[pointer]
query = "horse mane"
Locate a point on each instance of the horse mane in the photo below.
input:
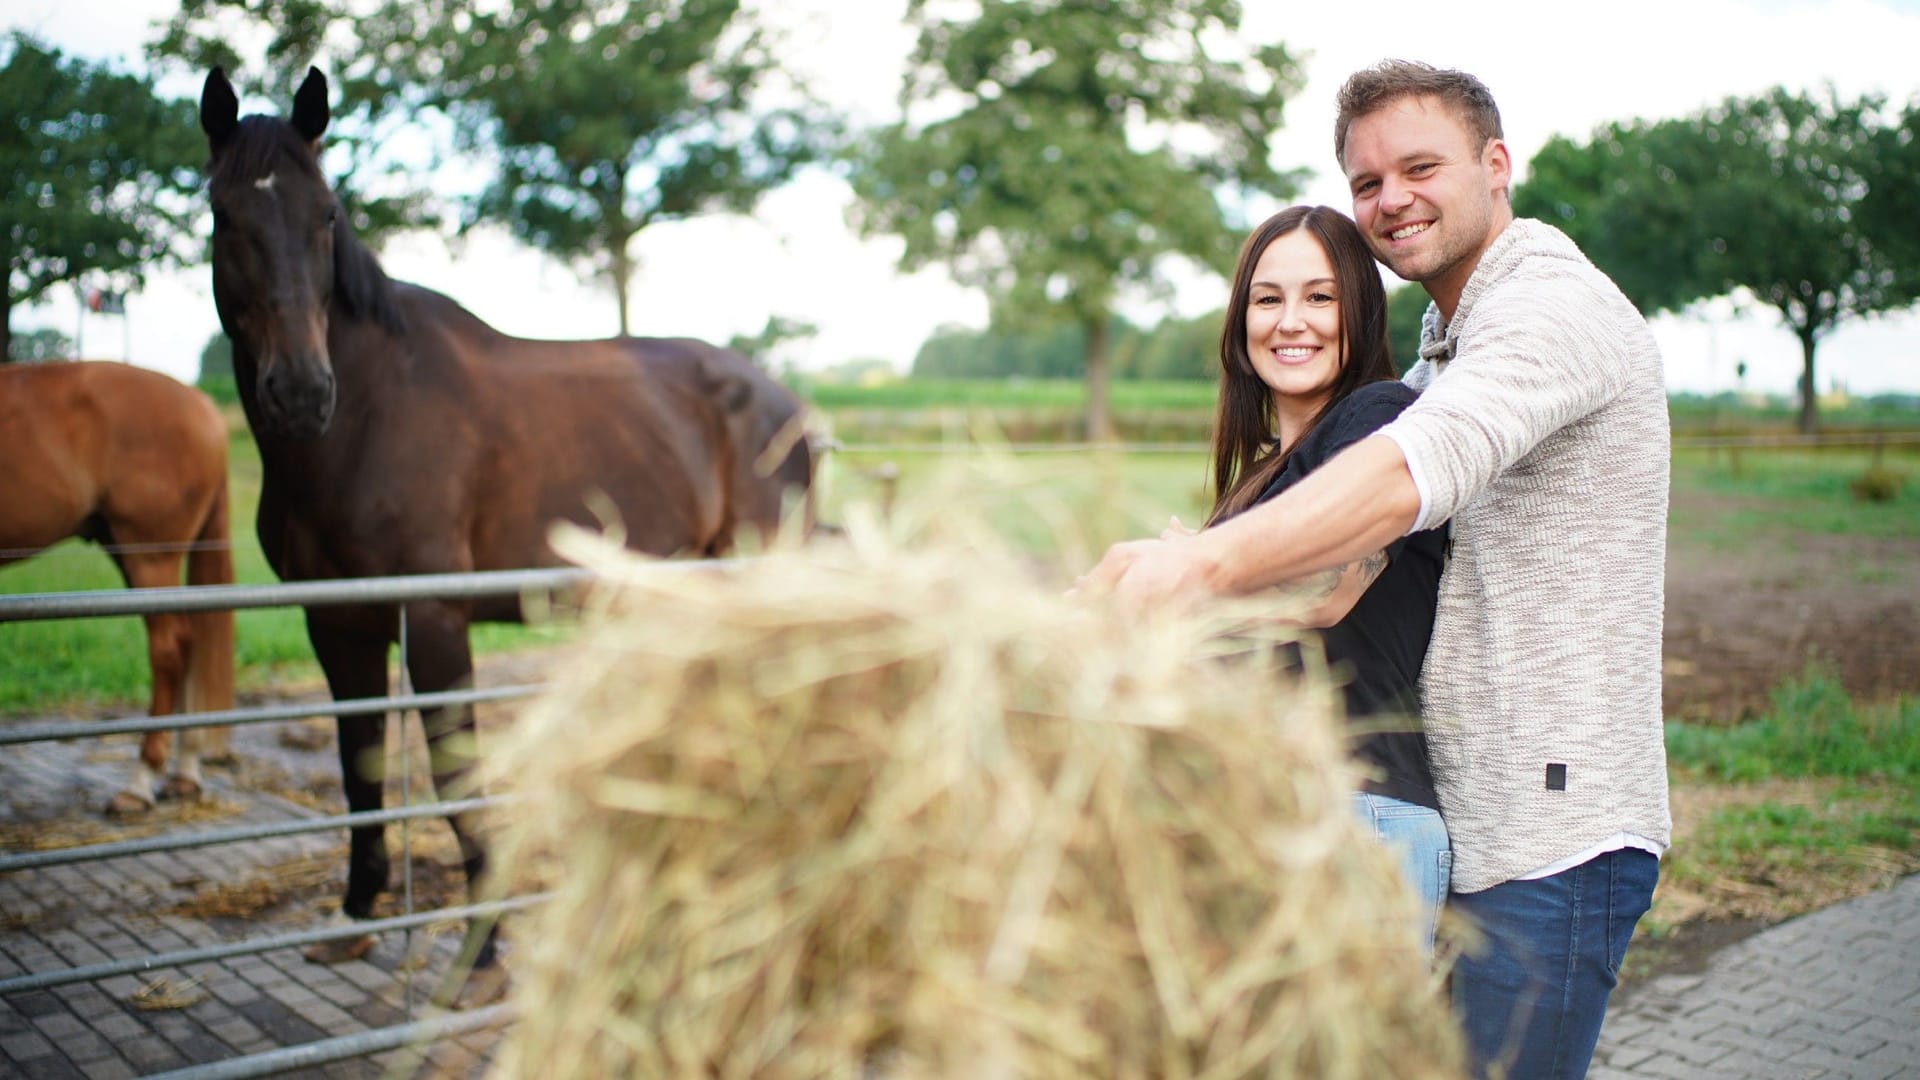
(256, 147)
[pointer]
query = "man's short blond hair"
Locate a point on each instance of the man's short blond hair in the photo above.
(1386, 82)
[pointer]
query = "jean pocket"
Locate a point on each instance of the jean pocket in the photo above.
(1629, 895)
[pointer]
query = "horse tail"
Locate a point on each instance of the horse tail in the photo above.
(210, 641)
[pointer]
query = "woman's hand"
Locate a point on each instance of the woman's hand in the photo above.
(1175, 530)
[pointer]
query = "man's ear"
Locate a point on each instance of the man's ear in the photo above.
(1499, 163)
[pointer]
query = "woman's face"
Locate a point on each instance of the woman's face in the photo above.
(1293, 321)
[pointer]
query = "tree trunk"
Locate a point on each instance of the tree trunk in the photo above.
(621, 270)
(1809, 417)
(6, 327)
(1100, 427)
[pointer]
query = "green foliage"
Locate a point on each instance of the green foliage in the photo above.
(1171, 349)
(98, 172)
(596, 119)
(44, 343)
(1814, 729)
(998, 395)
(372, 111)
(1878, 484)
(1406, 308)
(778, 331)
(1053, 155)
(1803, 201)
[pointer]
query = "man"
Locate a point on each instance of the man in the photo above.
(1541, 432)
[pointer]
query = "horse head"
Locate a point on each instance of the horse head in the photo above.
(276, 225)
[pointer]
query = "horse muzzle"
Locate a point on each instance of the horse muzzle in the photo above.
(298, 398)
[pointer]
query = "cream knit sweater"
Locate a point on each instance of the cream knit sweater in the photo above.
(1542, 433)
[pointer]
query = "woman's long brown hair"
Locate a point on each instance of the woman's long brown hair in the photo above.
(1245, 430)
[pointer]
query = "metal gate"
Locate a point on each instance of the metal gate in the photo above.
(417, 1029)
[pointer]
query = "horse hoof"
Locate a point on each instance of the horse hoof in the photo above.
(482, 986)
(339, 950)
(126, 804)
(181, 788)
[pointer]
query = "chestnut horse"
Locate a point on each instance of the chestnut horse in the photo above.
(400, 434)
(136, 461)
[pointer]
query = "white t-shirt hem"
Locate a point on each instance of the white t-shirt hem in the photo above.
(1617, 842)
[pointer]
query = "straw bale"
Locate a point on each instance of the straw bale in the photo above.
(879, 809)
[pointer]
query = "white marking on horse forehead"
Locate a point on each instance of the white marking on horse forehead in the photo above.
(265, 183)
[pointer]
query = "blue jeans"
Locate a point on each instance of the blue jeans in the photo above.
(1531, 996)
(1417, 834)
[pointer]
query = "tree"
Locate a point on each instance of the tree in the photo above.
(1782, 195)
(597, 119)
(1079, 143)
(779, 330)
(265, 48)
(1406, 307)
(99, 175)
(44, 343)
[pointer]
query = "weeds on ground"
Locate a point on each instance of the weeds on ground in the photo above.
(1813, 802)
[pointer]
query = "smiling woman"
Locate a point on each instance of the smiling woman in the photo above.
(1305, 372)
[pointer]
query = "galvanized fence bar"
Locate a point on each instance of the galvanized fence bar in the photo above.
(344, 1047)
(186, 598)
(251, 946)
(397, 590)
(139, 725)
(149, 845)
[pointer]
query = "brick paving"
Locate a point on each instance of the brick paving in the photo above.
(1834, 995)
(60, 917)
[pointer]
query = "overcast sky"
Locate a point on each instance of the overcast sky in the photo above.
(1563, 73)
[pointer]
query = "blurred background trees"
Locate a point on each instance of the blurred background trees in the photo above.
(1054, 156)
(1069, 160)
(99, 171)
(1802, 202)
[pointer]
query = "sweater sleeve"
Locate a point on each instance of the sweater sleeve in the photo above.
(1531, 360)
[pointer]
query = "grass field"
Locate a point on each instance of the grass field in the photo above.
(1064, 507)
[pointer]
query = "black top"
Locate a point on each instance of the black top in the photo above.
(1379, 647)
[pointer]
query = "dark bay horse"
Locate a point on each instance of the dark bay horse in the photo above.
(399, 434)
(135, 461)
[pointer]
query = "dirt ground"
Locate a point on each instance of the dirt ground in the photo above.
(1741, 618)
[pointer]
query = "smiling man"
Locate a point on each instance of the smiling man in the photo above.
(1541, 434)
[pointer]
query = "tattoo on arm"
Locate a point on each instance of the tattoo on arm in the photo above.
(1363, 571)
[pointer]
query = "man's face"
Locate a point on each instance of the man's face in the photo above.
(1424, 193)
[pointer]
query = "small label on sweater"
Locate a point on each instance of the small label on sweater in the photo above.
(1556, 777)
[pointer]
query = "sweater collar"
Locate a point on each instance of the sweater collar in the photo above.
(1522, 239)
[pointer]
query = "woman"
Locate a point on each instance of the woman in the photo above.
(1304, 373)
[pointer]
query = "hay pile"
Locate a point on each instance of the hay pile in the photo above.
(863, 811)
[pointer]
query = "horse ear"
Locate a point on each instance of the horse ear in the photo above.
(219, 109)
(310, 106)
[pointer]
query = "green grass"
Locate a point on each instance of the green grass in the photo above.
(1797, 491)
(1007, 394)
(1819, 799)
(1065, 506)
(1813, 729)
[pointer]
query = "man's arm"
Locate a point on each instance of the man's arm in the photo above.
(1349, 508)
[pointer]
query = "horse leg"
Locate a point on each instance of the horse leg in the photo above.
(167, 667)
(355, 665)
(440, 658)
